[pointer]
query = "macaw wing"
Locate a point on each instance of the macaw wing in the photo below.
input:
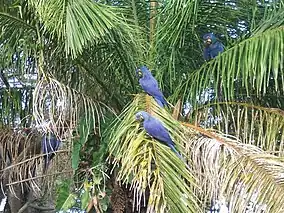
(50, 144)
(206, 54)
(220, 46)
(151, 87)
(156, 129)
(216, 49)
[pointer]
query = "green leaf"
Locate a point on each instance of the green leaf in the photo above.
(76, 154)
(69, 202)
(79, 23)
(85, 198)
(250, 62)
(84, 129)
(63, 194)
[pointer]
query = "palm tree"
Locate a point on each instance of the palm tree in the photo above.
(71, 64)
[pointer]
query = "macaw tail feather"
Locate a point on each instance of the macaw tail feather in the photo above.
(46, 164)
(161, 101)
(47, 160)
(179, 155)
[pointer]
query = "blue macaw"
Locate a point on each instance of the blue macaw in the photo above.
(150, 85)
(50, 144)
(155, 128)
(212, 46)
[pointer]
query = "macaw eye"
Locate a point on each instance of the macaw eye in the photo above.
(139, 117)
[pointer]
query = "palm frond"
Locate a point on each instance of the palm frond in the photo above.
(272, 18)
(17, 24)
(260, 126)
(11, 23)
(176, 16)
(181, 56)
(15, 107)
(239, 173)
(221, 164)
(80, 23)
(114, 65)
(17, 48)
(254, 64)
(149, 165)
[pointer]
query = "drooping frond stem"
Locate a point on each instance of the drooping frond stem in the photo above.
(237, 176)
(62, 107)
(19, 21)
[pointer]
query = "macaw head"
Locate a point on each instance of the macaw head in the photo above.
(142, 71)
(142, 116)
(209, 38)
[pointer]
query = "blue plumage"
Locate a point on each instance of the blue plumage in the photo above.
(50, 144)
(212, 46)
(155, 128)
(150, 85)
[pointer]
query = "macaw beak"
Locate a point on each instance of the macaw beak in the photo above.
(208, 41)
(139, 74)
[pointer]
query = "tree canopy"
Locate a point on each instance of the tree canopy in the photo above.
(68, 68)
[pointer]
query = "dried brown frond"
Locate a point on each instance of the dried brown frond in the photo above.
(22, 162)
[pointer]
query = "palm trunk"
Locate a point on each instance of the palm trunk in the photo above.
(153, 12)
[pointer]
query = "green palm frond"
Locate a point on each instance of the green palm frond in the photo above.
(80, 23)
(175, 60)
(147, 164)
(220, 165)
(254, 64)
(17, 23)
(11, 23)
(62, 107)
(15, 107)
(18, 36)
(175, 18)
(114, 65)
(272, 18)
(260, 126)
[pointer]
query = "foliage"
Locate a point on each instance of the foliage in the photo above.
(84, 130)
(68, 66)
(65, 199)
(141, 167)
